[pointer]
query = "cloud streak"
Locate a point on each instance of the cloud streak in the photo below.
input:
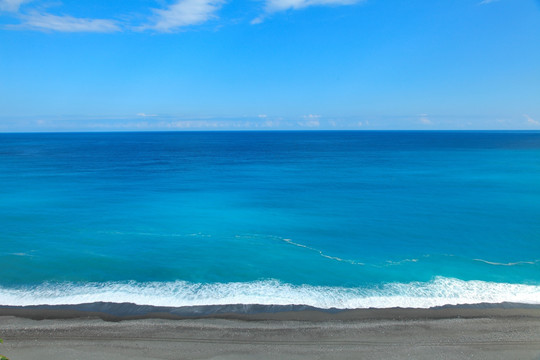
(425, 120)
(273, 6)
(531, 121)
(65, 23)
(11, 5)
(179, 14)
(184, 13)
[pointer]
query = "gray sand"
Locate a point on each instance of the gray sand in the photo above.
(497, 334)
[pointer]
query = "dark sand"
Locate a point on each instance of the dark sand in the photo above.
(447, 333)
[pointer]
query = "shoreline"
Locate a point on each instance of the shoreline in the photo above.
(109, 311)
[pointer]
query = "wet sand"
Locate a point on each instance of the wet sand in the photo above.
(452, 333)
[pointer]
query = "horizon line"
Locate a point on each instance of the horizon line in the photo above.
(268, 131)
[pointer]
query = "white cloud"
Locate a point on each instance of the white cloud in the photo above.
(262, 116)
(184, 13)
(484, 2)
(11, 5)
(309, 123)
(531, 121)
(424, 119)
(268, 124)
(146, 115)
(207, 124)
(272, 6)
(179, 14)
(66, 23)
(257, 20)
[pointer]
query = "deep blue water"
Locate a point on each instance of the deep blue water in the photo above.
(339, 219)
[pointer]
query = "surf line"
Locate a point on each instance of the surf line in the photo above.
(289, 241)
(508, 264)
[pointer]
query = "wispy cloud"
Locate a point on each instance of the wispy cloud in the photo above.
(273, 6)
(179, 14)
(531, 121)
(65, 23)
(11, 5)
(485, 2)
(174, 17)
(309, 124)
(310, 121)
(146, 115)
(425, 120)
(184, 13)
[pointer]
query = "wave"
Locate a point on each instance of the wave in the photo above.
(289, 241)
(508, 264)
(438, 292)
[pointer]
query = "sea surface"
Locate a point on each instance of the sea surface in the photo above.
(325, 219)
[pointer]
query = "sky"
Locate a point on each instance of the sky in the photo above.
(154, 65)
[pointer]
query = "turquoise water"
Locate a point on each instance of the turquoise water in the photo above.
(329, 219)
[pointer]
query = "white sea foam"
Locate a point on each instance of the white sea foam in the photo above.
(440, 291)
(390, 262)
(508, 264)
(289, 241)
(20, 254)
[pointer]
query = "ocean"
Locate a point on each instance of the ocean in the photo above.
(330, 219)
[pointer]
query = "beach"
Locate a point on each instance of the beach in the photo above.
(446, 333)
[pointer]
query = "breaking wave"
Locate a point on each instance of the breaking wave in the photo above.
(438, 292)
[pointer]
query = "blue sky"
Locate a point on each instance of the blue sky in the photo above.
(81, 65)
